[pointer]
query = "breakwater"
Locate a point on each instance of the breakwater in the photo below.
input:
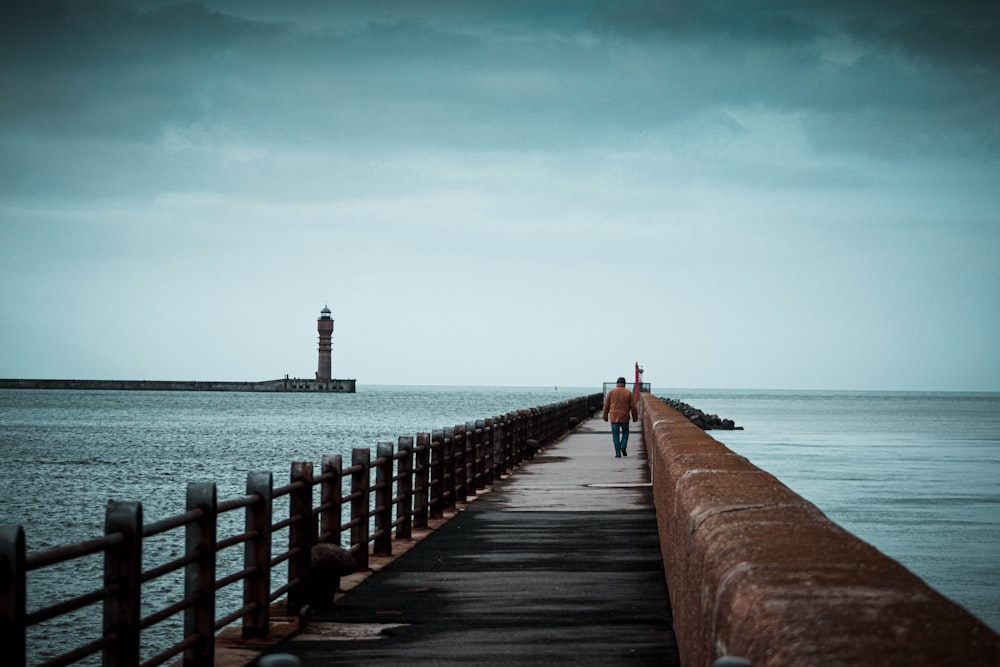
(755, 570)
(348, 386)
(705, 422)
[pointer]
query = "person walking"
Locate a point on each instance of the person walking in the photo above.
(619, 404)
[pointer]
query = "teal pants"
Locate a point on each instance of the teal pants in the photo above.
(619, 436)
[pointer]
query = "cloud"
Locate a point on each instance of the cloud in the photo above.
(104, 70)
(406, 161)
(962, 34)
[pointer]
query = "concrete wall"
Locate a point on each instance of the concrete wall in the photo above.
(755, 570)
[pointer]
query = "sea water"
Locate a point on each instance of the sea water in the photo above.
(915, 474)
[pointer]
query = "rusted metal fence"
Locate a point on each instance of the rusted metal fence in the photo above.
(416, 480)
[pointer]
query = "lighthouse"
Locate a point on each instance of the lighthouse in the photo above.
(325, 327)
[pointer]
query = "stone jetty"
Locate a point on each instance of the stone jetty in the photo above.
(703, 421)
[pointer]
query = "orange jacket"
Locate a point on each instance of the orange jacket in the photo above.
(619, 404)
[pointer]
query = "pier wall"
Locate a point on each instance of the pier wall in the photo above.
(755, 570)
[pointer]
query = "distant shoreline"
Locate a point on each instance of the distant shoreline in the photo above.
(340, 386)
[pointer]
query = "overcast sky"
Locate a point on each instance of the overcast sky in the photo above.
(772, 194)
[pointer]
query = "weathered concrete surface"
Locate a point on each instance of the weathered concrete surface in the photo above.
(754, 570)
(559, 563)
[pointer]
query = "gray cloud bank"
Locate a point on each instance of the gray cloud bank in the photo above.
(132, 91)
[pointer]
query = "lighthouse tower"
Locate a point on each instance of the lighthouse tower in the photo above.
(325, 327)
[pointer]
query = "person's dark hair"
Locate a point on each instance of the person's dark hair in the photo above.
(621, 381)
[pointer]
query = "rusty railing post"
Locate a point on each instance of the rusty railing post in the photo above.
(383, 500)
(461, 458)
(451, 469)
(13, 599)
(475, 452)
(437, 476)
(421, 477)
(257, 556)
(490, 450)
(506, 440)
(499, 447)
(520, 442)
(479, 455)
(509, 424)
(332, 499)
(404, 489)
(123, 578)
(302, 534)
(360, 483)
(199, 575)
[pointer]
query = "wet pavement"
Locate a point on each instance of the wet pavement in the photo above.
(557, 563)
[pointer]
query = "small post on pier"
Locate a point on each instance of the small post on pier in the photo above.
(257, 556)
(490, 450)
(521, 436)
(199, 575)
(13, 643)
(123, 574)
(421, 479)
(302, 534)
(383, 500)
(460, 455)
(478, 455)
(331, 499)
(507, 442)
(404, 489)
(474, 445)
(437, 483)
(451, 467)
(360, 481)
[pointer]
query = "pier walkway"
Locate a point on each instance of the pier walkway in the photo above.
(558, 563)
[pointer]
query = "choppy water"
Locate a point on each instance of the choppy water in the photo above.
(917, 475)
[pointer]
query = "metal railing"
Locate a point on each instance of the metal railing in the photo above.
(417, 480)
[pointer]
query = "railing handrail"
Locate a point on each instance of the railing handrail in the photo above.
(421, 479)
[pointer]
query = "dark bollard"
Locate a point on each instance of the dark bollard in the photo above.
(329, 562)
(531, 447)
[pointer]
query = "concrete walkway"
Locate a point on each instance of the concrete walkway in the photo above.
(558, 563)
